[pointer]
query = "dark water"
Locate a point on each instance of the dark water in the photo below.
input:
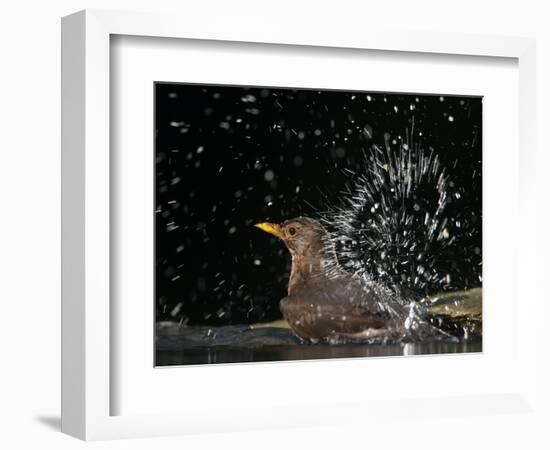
(230, 344)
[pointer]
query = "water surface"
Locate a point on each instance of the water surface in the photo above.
(231, 344)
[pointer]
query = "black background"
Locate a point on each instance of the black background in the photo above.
(230, 157)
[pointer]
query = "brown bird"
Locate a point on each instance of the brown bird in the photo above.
(324, 303)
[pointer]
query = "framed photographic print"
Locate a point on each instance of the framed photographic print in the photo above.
(250, 214)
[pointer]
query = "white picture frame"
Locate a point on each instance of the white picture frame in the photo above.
(87, 324)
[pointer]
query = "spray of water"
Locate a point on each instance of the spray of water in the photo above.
(391, 226)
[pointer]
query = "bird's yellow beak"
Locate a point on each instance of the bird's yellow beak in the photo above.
(271, 228)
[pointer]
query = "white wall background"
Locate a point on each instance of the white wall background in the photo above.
(30, 198)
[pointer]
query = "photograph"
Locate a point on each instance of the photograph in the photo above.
(296, 223)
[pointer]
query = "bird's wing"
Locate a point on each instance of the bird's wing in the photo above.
(339, 306)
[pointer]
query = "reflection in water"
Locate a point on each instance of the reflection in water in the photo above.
(203, 345)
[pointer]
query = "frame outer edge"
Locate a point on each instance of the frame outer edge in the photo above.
(85, 123)
(96, 237)
(527, 257)
(73, 380)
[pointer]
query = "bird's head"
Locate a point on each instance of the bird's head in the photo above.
(302, 236)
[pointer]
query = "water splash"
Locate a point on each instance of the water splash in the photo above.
(392, 226)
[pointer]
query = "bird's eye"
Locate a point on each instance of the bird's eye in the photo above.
(292, 231)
